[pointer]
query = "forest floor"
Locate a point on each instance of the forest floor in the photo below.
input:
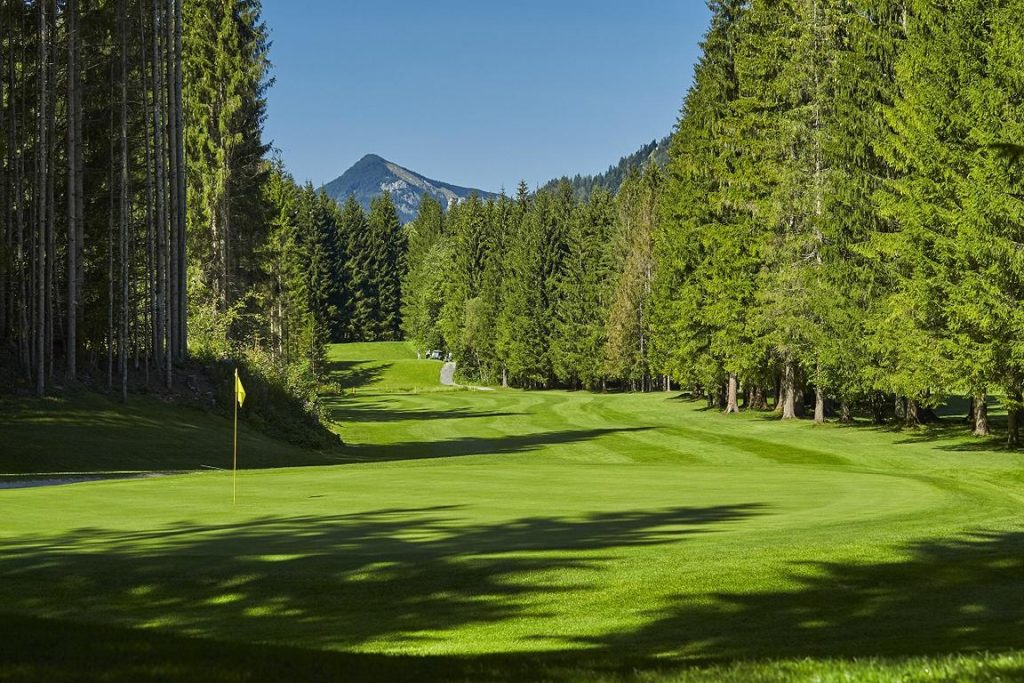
(512, 535)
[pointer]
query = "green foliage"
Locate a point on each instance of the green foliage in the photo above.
(954, 255)
(706, 243)
(226, 76)
(585, 288)
(584, 186)
(840, 204)
(627, 351)
(377, 265)
(426, 281)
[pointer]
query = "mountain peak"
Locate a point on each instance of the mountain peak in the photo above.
(371, 159)
(373, 176)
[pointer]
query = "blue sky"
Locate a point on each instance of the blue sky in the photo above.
(480, 93)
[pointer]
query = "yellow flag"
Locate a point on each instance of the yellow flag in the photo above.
(239, 390)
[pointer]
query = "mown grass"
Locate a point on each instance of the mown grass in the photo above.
(534, 536)
(88, 432)
(383, 367)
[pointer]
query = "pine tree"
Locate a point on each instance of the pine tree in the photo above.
(501, 216)
(424, 284)
(386, 244)
(365, 324)
(707, 260)
(584, 294)
(462, 320)
(522, 333)
(629, 315)
(226, 77)
(953, 202)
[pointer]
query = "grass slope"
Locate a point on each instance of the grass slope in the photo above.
(88, 432)
(383, 367)
(516, 535)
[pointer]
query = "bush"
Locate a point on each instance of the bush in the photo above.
(281, 400)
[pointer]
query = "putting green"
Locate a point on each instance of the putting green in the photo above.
(586, 531)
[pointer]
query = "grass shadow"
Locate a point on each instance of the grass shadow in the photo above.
(339, 582)
(397, 575)
(381, 408)
(467, 446)
(960, 595)
(351, 374)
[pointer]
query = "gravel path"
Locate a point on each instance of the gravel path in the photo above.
(448, 378)
(448, 375)
(31, 482)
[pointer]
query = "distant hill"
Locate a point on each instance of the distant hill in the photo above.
(372, 176)
(611, 179)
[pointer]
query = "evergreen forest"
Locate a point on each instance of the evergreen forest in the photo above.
(837, 224)
(838, 227)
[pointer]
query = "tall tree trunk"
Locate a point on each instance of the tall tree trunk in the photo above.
(732, 401)
(39, 326)
(21, 265)
(6, 44)
(1013, 414)
(51, 193)
(151, 312)
(819, 406)
(164, 350)
(981, 426)
(71, 336)
(174, 255)
(124, 204)
(179, 147)
(79, 209)
(788, 387)
(111, 175)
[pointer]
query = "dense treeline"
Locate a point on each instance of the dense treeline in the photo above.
(335, 273)
(584, 185)
(839, 224)
(540, 290)
(838, 217)
(92, 188)
(141, 222)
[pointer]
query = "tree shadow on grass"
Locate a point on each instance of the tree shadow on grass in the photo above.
(956, 431)
(344, 410)
(356, 374)
(402, 577)
(947, 596)
(394, 576)
(468, 445)
(50, 436)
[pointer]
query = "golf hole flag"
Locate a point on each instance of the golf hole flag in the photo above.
(239, 390)
(239, 400)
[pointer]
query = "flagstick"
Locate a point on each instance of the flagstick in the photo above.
(234, 467)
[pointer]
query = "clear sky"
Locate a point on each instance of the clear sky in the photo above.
(480, 93)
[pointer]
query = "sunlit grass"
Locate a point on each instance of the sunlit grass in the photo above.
(523, 536)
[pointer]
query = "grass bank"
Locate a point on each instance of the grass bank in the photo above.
(512, 535)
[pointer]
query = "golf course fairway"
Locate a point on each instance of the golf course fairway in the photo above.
(530, 535)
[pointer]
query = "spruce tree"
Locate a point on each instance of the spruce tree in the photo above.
(522, 330)
(424, 282)
(385, 267)
(361, 266)
(584, 293)
(629, 315)
(706, 249)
